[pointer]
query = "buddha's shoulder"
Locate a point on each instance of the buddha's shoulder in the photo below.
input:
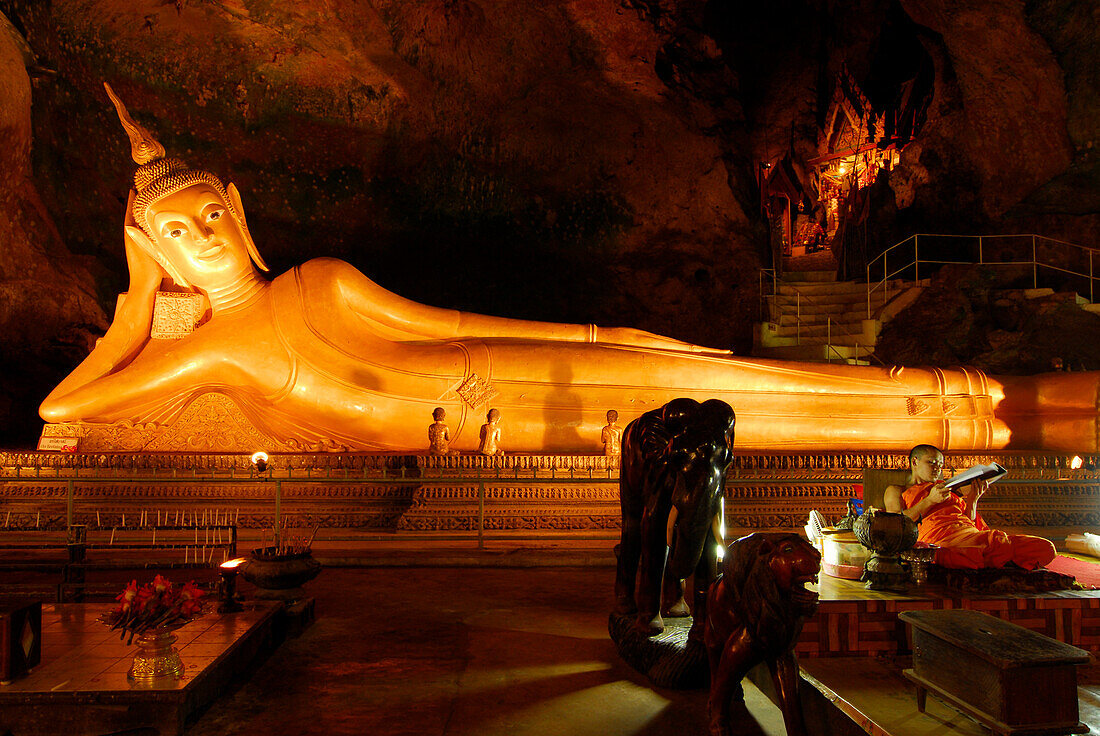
(317, 268)
(319, 273)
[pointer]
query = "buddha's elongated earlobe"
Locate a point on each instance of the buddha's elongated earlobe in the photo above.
(238, 211)
(142, 240)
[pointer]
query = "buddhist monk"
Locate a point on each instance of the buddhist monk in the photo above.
(322, 357)
(952, 522)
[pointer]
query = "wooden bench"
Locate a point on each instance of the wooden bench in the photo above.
(1004, 676)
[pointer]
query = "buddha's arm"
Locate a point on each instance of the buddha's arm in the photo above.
(127, 335)
(155, 379)
(397, 318)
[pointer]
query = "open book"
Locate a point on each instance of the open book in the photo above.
(990, 473)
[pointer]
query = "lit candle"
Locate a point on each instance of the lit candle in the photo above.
(113, 535)
(97, 517)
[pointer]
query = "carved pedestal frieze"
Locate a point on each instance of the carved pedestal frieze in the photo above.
(533, 493)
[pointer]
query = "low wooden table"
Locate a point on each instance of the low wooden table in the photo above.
(1004, 676)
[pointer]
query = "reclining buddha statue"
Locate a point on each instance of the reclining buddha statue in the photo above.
(321, 357)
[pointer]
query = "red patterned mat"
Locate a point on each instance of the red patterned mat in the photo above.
(1086, 572)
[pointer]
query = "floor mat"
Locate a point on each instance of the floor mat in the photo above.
(1086, 572)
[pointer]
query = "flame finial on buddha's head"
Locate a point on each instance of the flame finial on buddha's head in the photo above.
(158, 176)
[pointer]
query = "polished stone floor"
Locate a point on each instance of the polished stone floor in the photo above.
(457, 652)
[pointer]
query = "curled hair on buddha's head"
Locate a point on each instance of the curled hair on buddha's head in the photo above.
(158, 176)
(920, 451)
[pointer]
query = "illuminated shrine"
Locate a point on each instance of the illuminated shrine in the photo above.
(388, 368)
(322, 359)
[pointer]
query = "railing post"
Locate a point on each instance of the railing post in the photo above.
(278, 505)
(828, 339)
(868, 291)
(916, 258)
(798, 318)
(981, 257)
(1034, 265)
(885, 275)
(1090, 277)
(480, 513)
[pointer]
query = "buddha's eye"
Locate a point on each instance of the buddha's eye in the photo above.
(215, 215)
(175, 232)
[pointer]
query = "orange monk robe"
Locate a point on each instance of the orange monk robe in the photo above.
(966, 543)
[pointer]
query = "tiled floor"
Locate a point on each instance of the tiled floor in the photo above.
(463, 651)
(79, 654)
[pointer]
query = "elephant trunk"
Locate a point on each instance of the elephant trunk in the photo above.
(689, 538)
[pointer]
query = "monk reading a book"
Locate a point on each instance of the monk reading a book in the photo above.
(952, 522)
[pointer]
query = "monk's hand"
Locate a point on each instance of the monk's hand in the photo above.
(938, 493)
(976, 490)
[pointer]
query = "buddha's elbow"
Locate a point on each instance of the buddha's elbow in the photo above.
(55, 410)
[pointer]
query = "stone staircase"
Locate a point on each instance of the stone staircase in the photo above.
(814, 317)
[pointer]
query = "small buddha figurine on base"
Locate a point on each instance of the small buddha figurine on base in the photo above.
(612, 436)
(439, 434)
(490, 434)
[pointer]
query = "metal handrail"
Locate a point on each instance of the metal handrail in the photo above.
(830, 348)
(916, 261)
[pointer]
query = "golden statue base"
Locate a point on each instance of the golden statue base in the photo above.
(350, 494)
(211, 423)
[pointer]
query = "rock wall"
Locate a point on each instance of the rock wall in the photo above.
(48, 302)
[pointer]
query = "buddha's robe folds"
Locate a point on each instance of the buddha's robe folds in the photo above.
(325, 358)
(969, 543)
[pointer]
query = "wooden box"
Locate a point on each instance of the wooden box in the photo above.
(20, 637)
(1000, 674)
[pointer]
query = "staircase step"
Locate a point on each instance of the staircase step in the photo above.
(811, 289)
(820, 330)
(791, 340)
(816, 276)
(817, 353)
(849, 321)
(819, 303)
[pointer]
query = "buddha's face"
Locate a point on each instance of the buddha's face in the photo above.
(196, 231)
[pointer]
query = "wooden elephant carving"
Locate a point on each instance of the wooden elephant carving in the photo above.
(674, 462)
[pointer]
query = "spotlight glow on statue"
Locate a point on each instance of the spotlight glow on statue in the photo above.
(334, 361)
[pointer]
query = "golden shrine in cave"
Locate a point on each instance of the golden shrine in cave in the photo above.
(808, 202)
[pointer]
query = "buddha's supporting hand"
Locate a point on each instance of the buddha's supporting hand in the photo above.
(128, 333)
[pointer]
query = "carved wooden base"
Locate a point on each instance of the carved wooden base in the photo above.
(463, 493)
(668, 659)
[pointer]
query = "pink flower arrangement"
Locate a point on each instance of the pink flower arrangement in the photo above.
(155, 605)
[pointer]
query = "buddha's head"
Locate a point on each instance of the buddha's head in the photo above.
(493, 416)
(439, 414)
(612, 416)
(186, 219)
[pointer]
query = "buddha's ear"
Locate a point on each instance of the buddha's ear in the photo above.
(235, 200)
(142, 241)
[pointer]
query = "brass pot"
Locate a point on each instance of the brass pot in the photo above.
(280, 576)
(885, 532)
